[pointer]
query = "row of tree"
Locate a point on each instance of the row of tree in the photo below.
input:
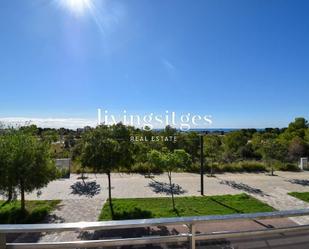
(26, 163)
(106, 149)
(26, 157)
(109, 148)
(290, 143)
(245, 144)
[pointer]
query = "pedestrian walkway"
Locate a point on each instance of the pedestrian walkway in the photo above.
(273, 190)
(73, 211)
(68, 211)
(281, 200)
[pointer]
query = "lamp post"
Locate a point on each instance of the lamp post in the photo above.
(202, 162)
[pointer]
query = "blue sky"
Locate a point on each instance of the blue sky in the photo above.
(245, 62)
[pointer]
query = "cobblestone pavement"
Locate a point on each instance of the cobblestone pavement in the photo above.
(68, 211)
(74, 211)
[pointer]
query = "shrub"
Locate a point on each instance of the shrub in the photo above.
(289, 167)
(36, 211)
(242, 166)
(231, 167)
(193, 168)
(253, 166)
(63, 173)
(77, 168)
(145, 168)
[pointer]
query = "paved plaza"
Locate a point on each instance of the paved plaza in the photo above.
(270, 189)
(83, 202)
(135, 185)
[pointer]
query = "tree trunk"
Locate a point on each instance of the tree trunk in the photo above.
(83, 177)
(10, 194)
(211, 169)
(110, 194)
(22, 199)
(272, 170)
(172, 189)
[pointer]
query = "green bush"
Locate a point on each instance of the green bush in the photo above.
(252, 166)
(76, 168)
(289, 167)
(242, 166)
(63, 173)
(36, 211)
(232, 167)
(194, 168)
(145, 168)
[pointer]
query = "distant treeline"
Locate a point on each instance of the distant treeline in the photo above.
(224, 150)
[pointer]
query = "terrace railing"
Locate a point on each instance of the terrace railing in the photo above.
(190, 237)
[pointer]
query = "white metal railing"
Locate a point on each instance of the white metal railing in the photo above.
(190, 237)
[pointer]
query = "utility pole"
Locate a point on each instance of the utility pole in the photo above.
(202, 163)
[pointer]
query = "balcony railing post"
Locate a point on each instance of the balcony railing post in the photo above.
(192, 237)
(2, 241)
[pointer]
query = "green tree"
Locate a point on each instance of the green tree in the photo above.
(169, 132)
(27, 165)
(6, 185)
(190, 142)
(105, 149)
(30, 129)
(212, 150)
(69, 141)
(297, 149)
(233, 143)
(307, 136)
(170, 161)
(50, 135)
(298, 124)
(272, 150)
(297, 128)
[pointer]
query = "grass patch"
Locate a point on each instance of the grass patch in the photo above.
(302, 196)
(143, 208)
(36, 211)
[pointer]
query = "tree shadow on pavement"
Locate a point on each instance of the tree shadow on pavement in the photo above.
(152, 231)
(162, 187)
(52, 218)
(89, 189)
(128, 233)
(299, 182)
(243, 187)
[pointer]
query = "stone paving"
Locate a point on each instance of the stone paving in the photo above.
(134, 185)
(73, 211)
(68, 211)
(80, 203)
(129, 186)
(274, 190)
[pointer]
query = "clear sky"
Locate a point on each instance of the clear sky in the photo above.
(245, 62)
